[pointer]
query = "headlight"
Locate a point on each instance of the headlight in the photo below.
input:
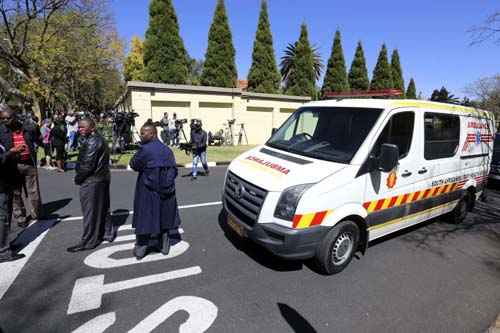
(289, 200)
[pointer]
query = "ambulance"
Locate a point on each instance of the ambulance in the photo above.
(341, 173)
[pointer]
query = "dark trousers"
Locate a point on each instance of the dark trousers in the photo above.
(94, 198)
(5, 216)
(29, 181)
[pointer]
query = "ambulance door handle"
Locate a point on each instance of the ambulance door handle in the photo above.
(406, 173)
(422, 171)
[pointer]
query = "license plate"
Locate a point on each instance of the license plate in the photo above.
(235, 226)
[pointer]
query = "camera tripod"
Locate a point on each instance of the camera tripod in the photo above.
(242, 133)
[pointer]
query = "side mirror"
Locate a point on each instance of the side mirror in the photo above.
(389, 156)
(274, 130)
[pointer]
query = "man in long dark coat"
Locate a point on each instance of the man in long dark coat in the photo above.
(155, 205)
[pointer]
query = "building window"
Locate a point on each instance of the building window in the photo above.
(442, 135)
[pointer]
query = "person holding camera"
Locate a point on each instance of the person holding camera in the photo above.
(23, 134)
(199, 144)
(9, 154)
(155, 205)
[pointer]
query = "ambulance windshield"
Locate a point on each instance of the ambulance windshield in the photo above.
(327, 133)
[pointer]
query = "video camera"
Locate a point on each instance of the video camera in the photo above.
(186, 147)
(180, 122)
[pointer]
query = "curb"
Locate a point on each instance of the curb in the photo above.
(188, 165)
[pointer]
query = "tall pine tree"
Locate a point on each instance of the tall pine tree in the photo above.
(263, 76)
(336, 75)
(219, 69)
(382, 74)
(165, 58)
(397, 73)
(411, 92)
(358, 75)
(302, 78)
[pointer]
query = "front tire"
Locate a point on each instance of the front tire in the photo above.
(336, 250)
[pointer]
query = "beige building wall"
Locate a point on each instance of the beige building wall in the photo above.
(259, 113)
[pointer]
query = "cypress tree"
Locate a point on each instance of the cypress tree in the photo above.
(263, 76)
(165, 58)
(382, 74)
(397, 73)
(358, 75)
(219, 69)
(411, 92)
(336, 74)
(302, 79)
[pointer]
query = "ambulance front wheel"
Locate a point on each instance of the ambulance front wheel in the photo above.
(336, 250)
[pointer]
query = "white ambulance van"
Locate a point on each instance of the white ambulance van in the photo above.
(339, 174)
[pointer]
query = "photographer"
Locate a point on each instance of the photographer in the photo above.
(199, 144)
(173, 132)
(165, 133)
(58, 138)
(8, 174)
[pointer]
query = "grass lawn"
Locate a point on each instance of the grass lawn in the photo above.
(215, 154)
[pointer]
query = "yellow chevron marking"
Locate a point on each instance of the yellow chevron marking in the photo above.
(402, 219)
(386, 203)
(398, 201)
(372, 206)
(305, 221)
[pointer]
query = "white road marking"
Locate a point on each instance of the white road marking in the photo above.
(131, 212)
(10, 270)
(201, 315)
(101, 258)
(87, 293)
(98, 324)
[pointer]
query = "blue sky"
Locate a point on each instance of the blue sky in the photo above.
(429, 34)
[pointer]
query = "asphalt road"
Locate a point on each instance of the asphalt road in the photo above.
(434, 278)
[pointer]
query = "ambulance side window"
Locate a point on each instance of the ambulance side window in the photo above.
(442, 135)
(398, 131)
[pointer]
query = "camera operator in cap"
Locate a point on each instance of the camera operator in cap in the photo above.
(155, 205)
(199, 144)
(9, 155)
(22, 132)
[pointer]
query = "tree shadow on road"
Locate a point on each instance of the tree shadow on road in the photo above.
(49, 208)
(296, 321)
(483, 221)
(256, 252)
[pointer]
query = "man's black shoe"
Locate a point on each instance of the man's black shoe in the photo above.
(140, 252)
(12, 257)
(76, 248)
(207, 173)
(193, 177)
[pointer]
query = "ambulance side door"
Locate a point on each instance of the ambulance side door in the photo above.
(438, 165)
(387, 192)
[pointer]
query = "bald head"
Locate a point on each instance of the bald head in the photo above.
(148, 133)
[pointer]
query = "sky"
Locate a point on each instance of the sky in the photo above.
(430, 35)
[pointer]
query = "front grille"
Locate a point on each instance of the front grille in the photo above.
(243, 199)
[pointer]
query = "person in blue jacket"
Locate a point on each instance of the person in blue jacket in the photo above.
(155, 205)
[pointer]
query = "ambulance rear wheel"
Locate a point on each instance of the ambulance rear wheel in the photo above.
(336, 250)
(459, 213)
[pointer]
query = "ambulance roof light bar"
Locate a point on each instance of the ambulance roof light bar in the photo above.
(368, 93)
